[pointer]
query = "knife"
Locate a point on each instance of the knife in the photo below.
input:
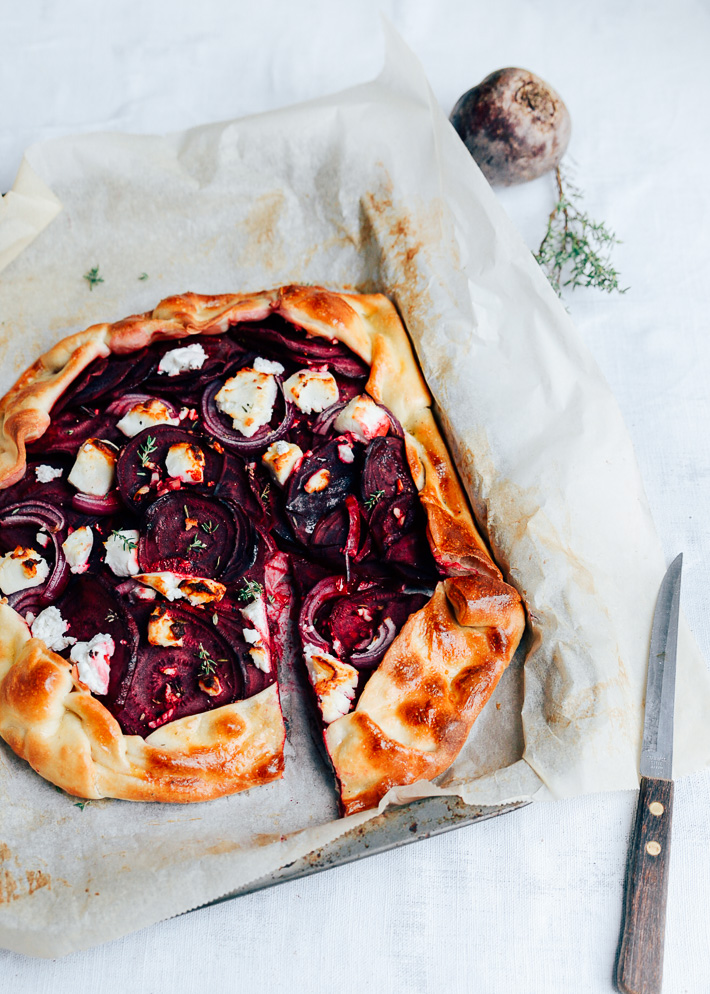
(639, 968)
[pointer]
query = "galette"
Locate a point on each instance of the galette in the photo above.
(182, 491)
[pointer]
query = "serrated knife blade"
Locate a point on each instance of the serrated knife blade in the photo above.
(639, 967)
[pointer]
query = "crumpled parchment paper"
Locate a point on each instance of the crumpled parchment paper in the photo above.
(367, 190)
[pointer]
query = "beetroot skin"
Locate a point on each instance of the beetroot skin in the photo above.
(514, 125)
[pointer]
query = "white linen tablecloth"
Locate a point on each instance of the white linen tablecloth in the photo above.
(530, 902)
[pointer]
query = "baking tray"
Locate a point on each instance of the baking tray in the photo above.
(395, 827)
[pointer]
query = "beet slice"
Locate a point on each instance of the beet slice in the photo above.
(281, 339)
(218, 541)
(222, 352)
(111, 375)
(386, 470)
(165, 683)
(91, 607)
(141, 464)
(358, 621)
(70, 430)
(305, 509)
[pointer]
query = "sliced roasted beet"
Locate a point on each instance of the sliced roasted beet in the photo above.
(109, 376)
(236, 484)
(359, 622)
(141, 472)
(281, 339)
(91, 608)
(356, 621)
(192, 533)
(173, 682)
(222, 352)
(69, 430)
(306, 505)
(338, 534)
(386, 471)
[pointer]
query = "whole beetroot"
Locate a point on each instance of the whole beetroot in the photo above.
(514, 125)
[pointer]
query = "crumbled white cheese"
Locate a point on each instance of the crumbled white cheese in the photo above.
(267, 366)
(173, 586)
(94, 470)
(77, 549)
(282, 458)
(21, 569)
(317, 482)
(51, 627)
(122, 552)
(345, 453)
(362, 418)
(43, 539)
(45, 474)
(258, 636)
(181, 360)
(93, 662)
(146, 414)
(248, 398)
(311, 390)
(165, 630)
(334, 682)
(185, 462)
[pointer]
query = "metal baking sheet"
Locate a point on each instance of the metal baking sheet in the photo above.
(395, 827)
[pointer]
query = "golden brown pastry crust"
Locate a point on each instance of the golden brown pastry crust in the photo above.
(417, 708)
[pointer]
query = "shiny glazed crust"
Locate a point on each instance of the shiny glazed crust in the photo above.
(417, 708)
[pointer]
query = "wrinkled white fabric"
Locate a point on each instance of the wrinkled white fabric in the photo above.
(530, 902)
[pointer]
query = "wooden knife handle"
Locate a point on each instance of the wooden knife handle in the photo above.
(639, 967)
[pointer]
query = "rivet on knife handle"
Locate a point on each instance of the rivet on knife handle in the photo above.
(640, 962)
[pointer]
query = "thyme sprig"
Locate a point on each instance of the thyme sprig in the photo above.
(196, 543)
(147, 449)
(373, 499)
(250, 591)
(209, 526)
(576, 250)
(128, 543)
(208, 665)
(92, 277)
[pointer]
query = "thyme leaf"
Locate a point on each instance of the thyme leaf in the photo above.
(576, 251)
(147, 449)
(209, 526)
(128, 543)
(250, 591)
(373, 499)
(143, 277)
(208, 665)
(92, 277)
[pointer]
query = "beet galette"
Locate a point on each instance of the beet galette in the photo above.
(177, 490)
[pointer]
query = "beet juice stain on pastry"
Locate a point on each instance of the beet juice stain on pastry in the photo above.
(175, 489)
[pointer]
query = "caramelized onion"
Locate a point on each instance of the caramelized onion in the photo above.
(110, 503)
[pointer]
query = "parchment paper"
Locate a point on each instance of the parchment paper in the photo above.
(371, 190)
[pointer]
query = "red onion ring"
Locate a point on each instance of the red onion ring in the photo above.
(59, 577)
(124, 404)
(35, 512)
(324, 590)
(373, 653)
(324, 421)
(100, 506)
(234, 439)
